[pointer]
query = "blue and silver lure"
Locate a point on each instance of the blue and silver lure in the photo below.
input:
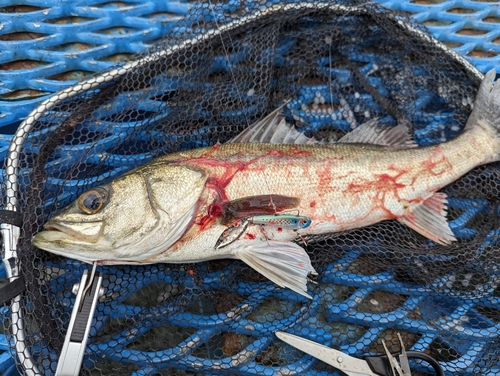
(283, 221)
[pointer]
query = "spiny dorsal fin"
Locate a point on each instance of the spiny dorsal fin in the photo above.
(429, 219)
(273, 129)
(372, 133)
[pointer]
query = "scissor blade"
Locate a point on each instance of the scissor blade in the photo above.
(347, 364)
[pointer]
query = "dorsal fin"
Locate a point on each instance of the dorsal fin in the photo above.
(372, 133)
(273, 129)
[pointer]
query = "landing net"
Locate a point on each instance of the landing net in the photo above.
(225, 66)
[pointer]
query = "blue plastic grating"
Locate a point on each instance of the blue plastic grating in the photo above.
(340, 313)
(49, 45)
(471, 28)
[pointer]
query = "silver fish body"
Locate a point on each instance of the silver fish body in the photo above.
(174, 209)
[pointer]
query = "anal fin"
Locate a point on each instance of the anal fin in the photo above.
(429, 219)
(284, 263)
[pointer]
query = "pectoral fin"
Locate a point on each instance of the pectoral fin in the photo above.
(429, 220)
(284, 263)
(179, 227)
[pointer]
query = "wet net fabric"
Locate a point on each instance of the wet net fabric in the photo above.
(337, 65)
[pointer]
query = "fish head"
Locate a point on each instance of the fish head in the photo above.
(129, 220)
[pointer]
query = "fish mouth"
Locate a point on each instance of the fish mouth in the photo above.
(73, 240)
(88, 232)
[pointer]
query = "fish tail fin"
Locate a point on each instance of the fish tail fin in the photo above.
(284, 263)
(487, 104)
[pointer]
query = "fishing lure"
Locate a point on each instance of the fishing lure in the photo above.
(232, 233)
(284, 221)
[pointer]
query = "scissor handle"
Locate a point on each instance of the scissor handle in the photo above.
(380, 365)
(426, 358)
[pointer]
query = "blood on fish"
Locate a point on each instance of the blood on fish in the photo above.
(219, 183)
(383, 185)
(204, 221)
(280, 229)
(302, 153)
(215, 210)
(325, 177)
(249, 236)
(439, 167)
(210, 151)
(389, 180)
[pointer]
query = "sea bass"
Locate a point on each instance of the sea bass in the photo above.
(175, 208)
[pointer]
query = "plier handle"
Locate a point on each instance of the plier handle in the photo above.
(87, 293)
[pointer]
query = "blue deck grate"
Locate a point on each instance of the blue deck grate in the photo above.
(54, 44)
(50, 46)
(471, 28)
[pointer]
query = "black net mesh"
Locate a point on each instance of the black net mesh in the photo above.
(225, 66)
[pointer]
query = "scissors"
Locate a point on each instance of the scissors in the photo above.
(384, 365)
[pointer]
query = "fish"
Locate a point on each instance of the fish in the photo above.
(175, 208)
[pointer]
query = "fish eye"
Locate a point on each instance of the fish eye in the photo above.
(92, 201)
